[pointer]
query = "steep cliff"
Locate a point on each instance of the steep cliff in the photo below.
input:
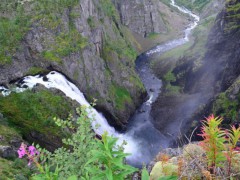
(84, 40)
(143, 17)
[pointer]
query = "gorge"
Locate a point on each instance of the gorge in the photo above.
(188, 68)
(140, 132)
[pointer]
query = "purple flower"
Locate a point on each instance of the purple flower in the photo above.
(32, 150)
(21, 151)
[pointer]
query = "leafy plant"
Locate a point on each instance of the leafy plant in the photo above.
(77, 150)
(145, 175)
(213, 142)
(108, 161)
(234, 136)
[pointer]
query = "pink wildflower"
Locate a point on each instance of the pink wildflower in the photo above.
(32, 151)
(21, 151)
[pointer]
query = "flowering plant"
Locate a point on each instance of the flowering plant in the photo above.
(31, 152)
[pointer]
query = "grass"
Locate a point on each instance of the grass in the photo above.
(119, 46)
(120, 95)
(29, 111)
(16, 169)
(13, 26)
(35, 70)
(109, 9)
(153, 35)
(195, 5)
(12, 31)
(8, 133)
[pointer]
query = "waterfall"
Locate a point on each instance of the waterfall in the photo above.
(58, 81)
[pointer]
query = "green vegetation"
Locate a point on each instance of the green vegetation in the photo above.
(195, 5)
(29, 111)
(91, 22)
(233, 15)
(35, 70)
(109, 9)
(82, 142)
(120, 95)
(121, 47)
(16, 169)
(13, 26)
(65, 44)
(153, 36)
(89, 157)
(12, 31)
(111, 160)
(225, 107)
(169, 77)
(170, 89)
(213, 144)
(7, 133)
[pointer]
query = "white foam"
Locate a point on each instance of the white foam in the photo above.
(4, 91)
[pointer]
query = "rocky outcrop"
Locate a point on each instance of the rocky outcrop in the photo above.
(91, 47)
(141, 16)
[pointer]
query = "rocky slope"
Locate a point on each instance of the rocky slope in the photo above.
(85, 41)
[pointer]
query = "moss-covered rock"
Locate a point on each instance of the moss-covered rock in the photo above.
(31, 114)
(162, 169)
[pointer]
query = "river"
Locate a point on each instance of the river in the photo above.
(143, 140)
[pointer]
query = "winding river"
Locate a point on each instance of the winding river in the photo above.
(143, 140)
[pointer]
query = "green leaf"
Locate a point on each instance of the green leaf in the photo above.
(74, 177)
(109, 174)
(145, 175)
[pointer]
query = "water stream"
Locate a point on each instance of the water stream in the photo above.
(151, 140)
(144, 141)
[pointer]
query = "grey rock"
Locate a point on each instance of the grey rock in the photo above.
(141, 16)
(7, 152)
(87, 67)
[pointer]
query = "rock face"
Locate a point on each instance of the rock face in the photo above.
(141, 16)
(100, 61)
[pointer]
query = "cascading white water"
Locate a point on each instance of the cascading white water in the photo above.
(58, 81)
(4, 91)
